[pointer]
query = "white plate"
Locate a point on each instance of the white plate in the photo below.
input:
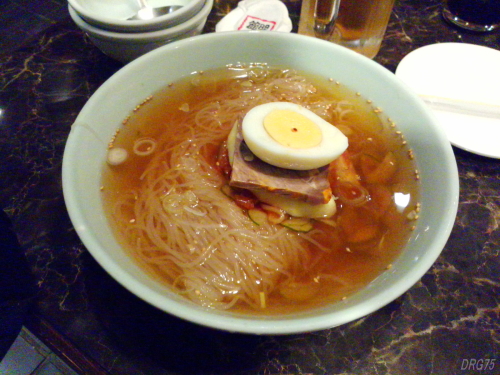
(461, 83)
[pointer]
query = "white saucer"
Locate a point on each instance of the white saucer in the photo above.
(461, 83)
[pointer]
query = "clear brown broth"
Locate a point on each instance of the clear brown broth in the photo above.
(357, 263)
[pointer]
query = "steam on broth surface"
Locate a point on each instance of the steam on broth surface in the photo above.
(168, 206)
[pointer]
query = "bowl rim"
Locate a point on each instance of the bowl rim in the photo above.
(255, 325)
(112, 24)
(157, 35)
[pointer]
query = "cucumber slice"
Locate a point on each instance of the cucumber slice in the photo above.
(227, 191)
(259, 217)
(298, 224)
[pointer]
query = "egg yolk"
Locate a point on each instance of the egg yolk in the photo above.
(292, 129)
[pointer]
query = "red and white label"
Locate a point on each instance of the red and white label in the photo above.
(255, 23)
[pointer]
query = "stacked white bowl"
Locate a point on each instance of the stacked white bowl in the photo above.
(108, 24)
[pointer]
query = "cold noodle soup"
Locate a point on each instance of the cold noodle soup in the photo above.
(170, 193)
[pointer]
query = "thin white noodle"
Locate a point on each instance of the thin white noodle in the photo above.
(189, 231)
(140, 143)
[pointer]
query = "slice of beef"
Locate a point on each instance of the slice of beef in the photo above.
(250, 172)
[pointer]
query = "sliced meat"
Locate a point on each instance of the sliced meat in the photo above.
(250, 172)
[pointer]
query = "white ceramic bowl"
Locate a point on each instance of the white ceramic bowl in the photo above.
(86, 148)
(112, 15)
(126, 47)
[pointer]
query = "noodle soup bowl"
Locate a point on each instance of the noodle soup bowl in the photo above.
(86, 150)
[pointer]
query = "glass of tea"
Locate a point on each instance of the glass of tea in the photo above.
(356, 24)
(475, 15)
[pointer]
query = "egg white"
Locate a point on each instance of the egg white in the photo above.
(258, 140)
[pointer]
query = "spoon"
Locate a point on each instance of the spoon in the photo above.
(147, 12)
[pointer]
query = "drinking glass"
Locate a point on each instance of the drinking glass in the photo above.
(475, 15)
(356, 24)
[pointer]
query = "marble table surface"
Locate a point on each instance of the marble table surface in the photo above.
(448, 323)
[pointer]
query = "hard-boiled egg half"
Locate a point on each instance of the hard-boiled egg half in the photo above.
(290, 136)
